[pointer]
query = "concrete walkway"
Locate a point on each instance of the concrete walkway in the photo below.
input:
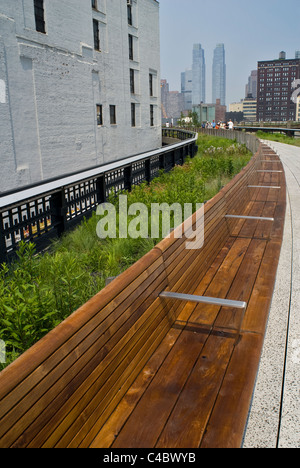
(274, 419)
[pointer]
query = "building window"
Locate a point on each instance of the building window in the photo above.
(130, 38)
(129, 14)
(112, 113)
(39, 14)
(96, 34)
(94, 4)
(99, 115)
(132, 114)
(152, 115)
(132, 88)
(151, 84)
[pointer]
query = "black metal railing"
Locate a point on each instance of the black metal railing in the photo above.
(41, 212)
(290, 132)
(177, 133)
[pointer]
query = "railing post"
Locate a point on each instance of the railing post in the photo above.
(148, 170)
(162, 161)
(101, 190)
(128, 177)
(58, 210)
(2, 242)
(194, 150)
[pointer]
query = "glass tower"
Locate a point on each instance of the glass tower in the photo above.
(198, 75)
(187, 88)
(219, 75)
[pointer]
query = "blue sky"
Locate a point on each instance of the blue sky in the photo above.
(251, 30)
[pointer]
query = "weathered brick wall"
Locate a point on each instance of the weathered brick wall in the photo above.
(50, 85)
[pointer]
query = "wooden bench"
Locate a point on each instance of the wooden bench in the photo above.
(134, 369)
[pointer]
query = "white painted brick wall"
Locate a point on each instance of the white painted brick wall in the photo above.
(50, 85)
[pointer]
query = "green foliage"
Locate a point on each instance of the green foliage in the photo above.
(37, 292)
(279, 137)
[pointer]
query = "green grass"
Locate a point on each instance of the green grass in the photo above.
(279, 138)
(37, 292)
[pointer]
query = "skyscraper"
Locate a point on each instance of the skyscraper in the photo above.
(219, 75)
(251, 87)
(187, 88)
(198, 74)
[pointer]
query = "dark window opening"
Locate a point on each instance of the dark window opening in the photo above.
(39, 14)
(152, 116)
(96, 35)
(130, 47)
(151, 84)
(132, 87)
(94, 4)
(112, 113)
(129, 14)
(99, 115)
(132, 114)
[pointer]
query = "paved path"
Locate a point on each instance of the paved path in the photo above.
(274, 419)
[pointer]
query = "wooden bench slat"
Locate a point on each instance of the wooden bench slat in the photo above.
(37, 354)
(163, 393)
(95, 413)
(206, 280)
(260, 298)
(243, 284)
(186, 425)
(101, 353)
(206, 315)
(112, 427)
(225, 429)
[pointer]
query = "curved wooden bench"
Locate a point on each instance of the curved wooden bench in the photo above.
(134, 369)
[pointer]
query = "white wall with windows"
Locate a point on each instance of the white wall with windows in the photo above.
(70, 72)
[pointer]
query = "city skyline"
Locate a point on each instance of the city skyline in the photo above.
(247, 36)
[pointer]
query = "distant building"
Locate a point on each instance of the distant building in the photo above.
(164, 88)
(236, 106)
(205, 112)
(79, 85)
(298, 109)
(210, 112)
(234, 116)
(251, 86)
(199, 83)
(220, 114)
(275, 89)
(172, 103)
(175, 105)
(249, 108)
(187, 88)
(219, 75)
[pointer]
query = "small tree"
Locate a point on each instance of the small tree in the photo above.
(181, 121)
(195, 119)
